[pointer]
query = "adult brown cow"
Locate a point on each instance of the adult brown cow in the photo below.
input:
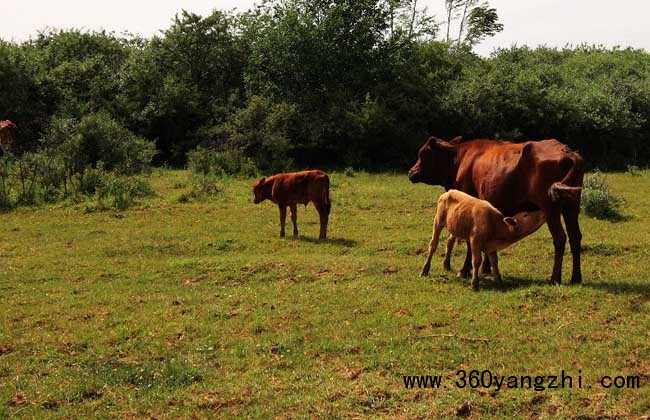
(545, 175)
(295, 188)
(7, 135)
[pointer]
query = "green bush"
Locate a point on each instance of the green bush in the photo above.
(598, 201)
(98, 138)
(120, 193)
(217, 163)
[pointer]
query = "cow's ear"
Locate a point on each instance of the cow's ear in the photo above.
(456, 140)
(261, 181)
(441, 144)
(431, 141)
(510, 221)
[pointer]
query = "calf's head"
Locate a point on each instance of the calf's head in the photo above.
(525, 223)
(259, 191)
(435, 161)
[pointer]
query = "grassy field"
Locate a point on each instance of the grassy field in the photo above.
(200, 310)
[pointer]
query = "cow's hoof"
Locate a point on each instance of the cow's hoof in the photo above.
(446, 266)
(553, 282)
(498, 279)
(475, 287)
(463, 274)
(295, 236)
(424, 272)
(576, 280)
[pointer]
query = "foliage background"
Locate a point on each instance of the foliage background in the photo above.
(298, 83)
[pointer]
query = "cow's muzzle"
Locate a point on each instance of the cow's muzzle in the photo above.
(414, 175)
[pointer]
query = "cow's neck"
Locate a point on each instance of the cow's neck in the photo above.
(451, 170)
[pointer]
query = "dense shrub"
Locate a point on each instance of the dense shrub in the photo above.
(231, 162)
(598, 201)
(120, 193)
(98, 137)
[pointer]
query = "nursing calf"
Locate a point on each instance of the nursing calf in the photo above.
(295, 188)
(480, 224)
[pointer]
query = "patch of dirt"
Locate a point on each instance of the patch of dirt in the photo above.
(18, 400)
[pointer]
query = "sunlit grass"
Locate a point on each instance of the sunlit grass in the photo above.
(198, 308)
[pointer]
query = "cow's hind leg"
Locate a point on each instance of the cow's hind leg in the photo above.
(571, 214)
(446, 263)
(283, 218)
(559, 243)
(294, 219)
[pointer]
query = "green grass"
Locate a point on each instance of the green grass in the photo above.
(198, 309)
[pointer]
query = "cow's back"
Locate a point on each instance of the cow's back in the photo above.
(514, 176)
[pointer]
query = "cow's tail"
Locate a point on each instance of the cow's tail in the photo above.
(569, 188)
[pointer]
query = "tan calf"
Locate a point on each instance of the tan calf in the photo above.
(480, 224)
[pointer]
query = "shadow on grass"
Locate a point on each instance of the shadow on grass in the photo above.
(348, 243)
(619, 288)
(510, 283)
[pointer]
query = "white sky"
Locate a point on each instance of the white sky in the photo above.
(531, 22)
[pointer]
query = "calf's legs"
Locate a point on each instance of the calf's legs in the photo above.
(324, 213)
(446, 263)
(433, 244)
(283, 218)
(294, 219)
(476, 262)
(494, 261)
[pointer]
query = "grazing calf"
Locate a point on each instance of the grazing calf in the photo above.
(480, 224)
(296, 188)
(7, 135)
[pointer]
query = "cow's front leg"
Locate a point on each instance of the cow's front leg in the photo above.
(294, 219)
(283, 218)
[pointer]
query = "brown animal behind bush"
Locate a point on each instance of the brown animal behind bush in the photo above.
(295, 188)
(7, 135)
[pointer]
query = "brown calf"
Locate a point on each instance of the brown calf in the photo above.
(296, 188)
(482, 225)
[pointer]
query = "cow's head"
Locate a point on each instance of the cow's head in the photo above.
(434, 159)
(259, 191)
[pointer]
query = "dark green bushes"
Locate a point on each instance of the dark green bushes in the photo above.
(93, 158)
(297, 84)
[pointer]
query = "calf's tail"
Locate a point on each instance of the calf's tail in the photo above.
(325, 194)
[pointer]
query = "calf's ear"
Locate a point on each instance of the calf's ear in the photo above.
(510, 221)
